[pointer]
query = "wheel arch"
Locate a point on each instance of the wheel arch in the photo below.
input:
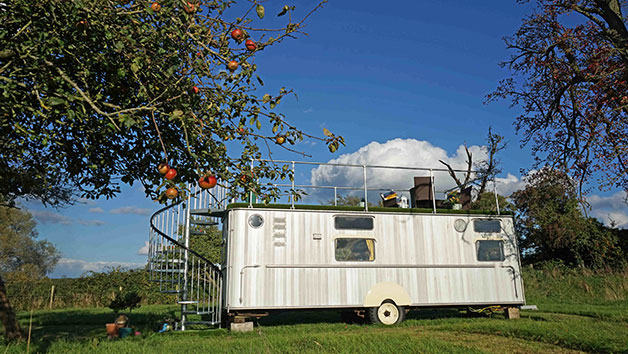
(381, 292)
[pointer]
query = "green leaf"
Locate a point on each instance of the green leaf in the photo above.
(260, 11)
(258, 124)
(273, 105)
(55, 101)
(327, 132)
(266, 98)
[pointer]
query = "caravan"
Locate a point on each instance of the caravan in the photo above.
(376, 262)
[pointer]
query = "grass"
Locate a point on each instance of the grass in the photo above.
(578, 311)
(554, 329)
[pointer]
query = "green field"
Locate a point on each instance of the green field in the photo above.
(577, 312)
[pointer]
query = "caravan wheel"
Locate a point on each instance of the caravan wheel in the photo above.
(387, 313)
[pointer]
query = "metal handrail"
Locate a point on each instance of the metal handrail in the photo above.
(154, 228)
(365, 188)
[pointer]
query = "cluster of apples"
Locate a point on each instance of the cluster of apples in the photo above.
(250, 45)
(206, 181)
(188, 7)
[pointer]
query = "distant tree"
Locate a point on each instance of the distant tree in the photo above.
(551, 224)
(21, 255)
(484, 170)
(570, 77)
(486, 201)
(347, 200)
(207, 241)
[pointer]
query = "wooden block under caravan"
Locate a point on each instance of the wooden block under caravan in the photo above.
(511, 313)
(242, 327)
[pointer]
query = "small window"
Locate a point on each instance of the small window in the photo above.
(487, 225)
(256, 220)
(355, 249)
(353, 223)
(490, 250)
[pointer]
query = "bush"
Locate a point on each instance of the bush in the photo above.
(130, 300)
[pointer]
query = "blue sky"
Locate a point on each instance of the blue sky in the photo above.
(397, 80)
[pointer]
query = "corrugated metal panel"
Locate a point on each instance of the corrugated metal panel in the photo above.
(289, 261)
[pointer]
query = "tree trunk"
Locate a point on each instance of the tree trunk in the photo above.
(12, 329)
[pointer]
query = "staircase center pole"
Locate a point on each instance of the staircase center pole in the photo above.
(186, 235)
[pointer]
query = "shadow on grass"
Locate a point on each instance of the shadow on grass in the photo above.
(84, 324)
(284, 318)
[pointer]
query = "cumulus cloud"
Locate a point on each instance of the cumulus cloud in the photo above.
(509, 184)
(96, 210)
(67, 267)
(131, 210)
(610, 209)
(51, 217)
(143, 251)
(396, 152)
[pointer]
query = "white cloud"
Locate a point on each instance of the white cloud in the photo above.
(67, 267)
(50, 217)
(143, 251)
(309, 110)
(90, 222)
(397, 152)
(96, 210)
(131, 210)
(508, 185)
(610, 209)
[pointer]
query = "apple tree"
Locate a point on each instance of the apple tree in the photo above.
(97, 93)
(570, 77)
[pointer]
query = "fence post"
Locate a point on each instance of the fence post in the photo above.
(52, 295)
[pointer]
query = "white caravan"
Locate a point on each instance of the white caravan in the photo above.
(378, 262)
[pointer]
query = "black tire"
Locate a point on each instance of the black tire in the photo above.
(388, 313)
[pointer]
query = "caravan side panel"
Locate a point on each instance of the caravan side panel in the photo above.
(290, 261)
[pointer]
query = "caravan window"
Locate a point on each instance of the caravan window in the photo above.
(490, 250)
(353, 222)
(355, 249)
(487, 225)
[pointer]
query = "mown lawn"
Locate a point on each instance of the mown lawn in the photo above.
(555, 328)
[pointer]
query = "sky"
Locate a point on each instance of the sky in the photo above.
(403, 82)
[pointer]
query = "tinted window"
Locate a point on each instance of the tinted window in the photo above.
(486, 225)
(490, 250)
(355, 249)
(353, 222)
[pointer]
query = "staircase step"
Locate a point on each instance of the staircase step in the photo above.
(197, 312)
(196, 232)
(170, 291)
(171, 281)
(203, 222)
(171, 260)
(208, 323)
(187, 302)
(217, 212)
(168, 270)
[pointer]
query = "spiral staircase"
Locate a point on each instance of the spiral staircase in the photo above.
(178, 269)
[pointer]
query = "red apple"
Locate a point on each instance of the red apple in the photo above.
(189, 7)
(196, 90)
(237, 34)
(207, 182)
(280, 139)
(163, 168)
(171, 174)
(155, 7)
(233, 65)
(172, 193)
(250, 45)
